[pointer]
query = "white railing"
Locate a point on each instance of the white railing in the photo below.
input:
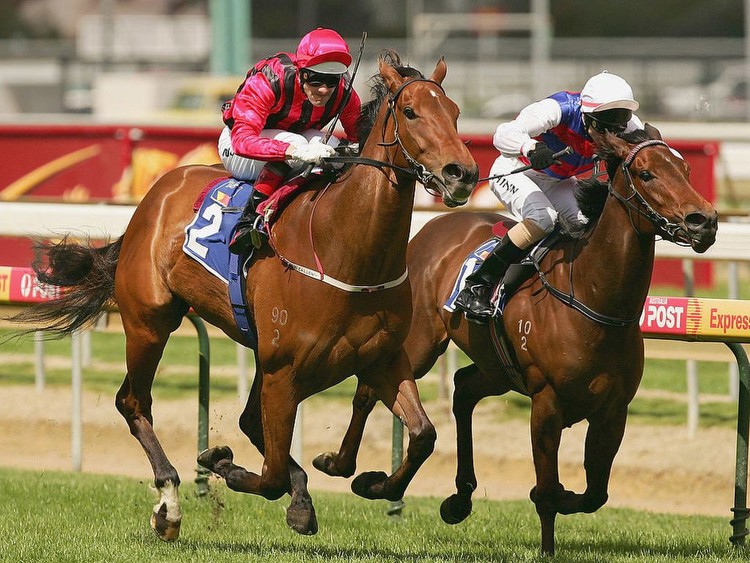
(101, 221)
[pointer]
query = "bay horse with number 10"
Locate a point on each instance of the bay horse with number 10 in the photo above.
(575, 362)
(311, 334)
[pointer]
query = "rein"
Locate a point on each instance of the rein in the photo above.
(416, 170)
(649, 213)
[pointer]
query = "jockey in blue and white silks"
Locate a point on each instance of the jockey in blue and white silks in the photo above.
(537, 196)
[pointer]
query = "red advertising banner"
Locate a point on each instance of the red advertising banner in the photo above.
(691, 318)
(20, 285)
(84, 163)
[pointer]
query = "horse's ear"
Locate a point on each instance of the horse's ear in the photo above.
(440, 69)
(390, 75)
(652, 132)
(609, 141)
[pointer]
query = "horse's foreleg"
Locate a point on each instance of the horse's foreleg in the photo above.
(143, 352)
(344, 462)
(300, 515)
(603, 440)
(277, 411)
(394, 385)
(470, 387)
(546, 431)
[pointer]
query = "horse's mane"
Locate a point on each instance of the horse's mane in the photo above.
(591, 193)
(379, 92)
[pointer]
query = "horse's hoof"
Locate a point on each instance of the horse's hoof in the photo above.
(325, 463)
(300, 516)
(211, 457)
(369, 485)
(455, 509)
(165, 530)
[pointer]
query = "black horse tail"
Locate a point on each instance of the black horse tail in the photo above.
(86, 276)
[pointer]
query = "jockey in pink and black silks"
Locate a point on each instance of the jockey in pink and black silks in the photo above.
(274, 122)
(537, 197)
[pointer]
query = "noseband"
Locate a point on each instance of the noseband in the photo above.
(665, 228)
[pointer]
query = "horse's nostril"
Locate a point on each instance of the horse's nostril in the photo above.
(453, 171)
(699, 219)
(457, 172)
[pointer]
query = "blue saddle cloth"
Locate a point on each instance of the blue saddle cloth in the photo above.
(207, 238)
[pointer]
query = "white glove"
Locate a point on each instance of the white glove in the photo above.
(313, 152)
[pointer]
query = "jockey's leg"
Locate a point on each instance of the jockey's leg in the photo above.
(476, 295)
(270, 178)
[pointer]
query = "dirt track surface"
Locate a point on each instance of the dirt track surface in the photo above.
(658, 468)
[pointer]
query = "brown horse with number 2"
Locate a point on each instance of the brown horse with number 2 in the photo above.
(573, 365)
(311, 334)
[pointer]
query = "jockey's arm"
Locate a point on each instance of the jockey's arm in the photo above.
(515, 138)
(251, 107)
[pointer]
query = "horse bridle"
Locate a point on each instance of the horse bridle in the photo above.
(642, 208)
(665, 228)
(416, 170)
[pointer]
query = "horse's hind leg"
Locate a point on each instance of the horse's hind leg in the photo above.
(300, 515)
(144, 347)
(344, 462)
(470, 387)
(398, 392)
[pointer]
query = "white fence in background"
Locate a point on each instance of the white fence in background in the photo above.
(107, 221)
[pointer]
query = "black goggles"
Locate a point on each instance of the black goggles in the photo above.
(612, 120)
(316, 80)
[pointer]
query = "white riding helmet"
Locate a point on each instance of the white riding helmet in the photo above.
(607, 91)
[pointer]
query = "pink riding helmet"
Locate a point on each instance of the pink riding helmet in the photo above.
(324, 51)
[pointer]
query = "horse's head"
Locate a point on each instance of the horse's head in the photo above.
(422, 121)
(652, 181)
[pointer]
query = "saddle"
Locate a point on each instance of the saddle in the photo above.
(218, 208)
(515, 275)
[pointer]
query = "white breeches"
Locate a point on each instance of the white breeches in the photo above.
(535, 196)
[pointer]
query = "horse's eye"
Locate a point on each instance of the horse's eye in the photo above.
(645, 175)
(409, 113)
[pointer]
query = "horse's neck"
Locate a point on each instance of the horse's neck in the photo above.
(615, 263)
(360, 227)
(378, 214)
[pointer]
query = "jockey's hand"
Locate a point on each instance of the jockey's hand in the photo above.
(313, 152)
(541, 156)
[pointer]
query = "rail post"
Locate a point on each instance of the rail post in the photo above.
(201, 479)
(397, 455)
(740, 510)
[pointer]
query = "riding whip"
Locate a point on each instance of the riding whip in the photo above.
(348, 92)
(566, 150)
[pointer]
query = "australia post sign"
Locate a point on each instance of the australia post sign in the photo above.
(690, 318)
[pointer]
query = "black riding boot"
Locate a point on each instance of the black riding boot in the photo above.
(270, 178)
(474, 299)
(245, 229)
